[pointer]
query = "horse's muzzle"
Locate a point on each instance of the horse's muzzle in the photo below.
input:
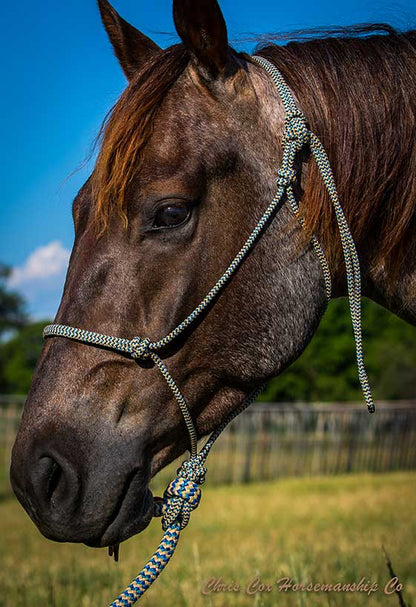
(99, 498)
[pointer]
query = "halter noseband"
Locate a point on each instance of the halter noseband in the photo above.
(183, 494)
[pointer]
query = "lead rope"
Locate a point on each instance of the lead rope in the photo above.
(179, 499)
(183, 494)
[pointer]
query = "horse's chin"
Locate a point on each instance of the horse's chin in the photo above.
(132, 517)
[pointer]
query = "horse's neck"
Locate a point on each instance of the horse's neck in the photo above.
(397, 294)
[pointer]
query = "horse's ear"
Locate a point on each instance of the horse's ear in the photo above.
(201, 27)
(132, 48)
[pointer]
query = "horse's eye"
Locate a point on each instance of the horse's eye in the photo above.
(171, 215)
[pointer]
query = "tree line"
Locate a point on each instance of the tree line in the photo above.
(326, 371)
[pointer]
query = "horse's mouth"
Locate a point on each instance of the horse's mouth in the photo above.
(131, 515)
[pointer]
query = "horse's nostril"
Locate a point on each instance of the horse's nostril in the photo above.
(54, 477)
(55, 482)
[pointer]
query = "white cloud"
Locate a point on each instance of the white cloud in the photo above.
(44, 263)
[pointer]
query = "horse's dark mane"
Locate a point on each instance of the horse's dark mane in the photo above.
(358, 91)
(358, 30)
(357, 87)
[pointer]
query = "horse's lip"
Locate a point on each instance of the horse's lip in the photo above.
(131, 517)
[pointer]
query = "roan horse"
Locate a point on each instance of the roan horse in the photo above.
(187, 163)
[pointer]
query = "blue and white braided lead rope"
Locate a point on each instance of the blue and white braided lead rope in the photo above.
(180, 497)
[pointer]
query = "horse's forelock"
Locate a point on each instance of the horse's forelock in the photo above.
(126, 130)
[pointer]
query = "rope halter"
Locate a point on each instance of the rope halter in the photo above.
(183, 494)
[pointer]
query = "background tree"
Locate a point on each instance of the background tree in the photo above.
(18, 358)
(327, 370)
(20, 340)
(12, 306)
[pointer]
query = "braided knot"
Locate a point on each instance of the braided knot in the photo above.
(285, 177)
(193, 469)
(140, 348)
(296, 130)
(182, 495)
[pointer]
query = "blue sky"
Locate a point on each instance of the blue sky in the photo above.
(59, 80)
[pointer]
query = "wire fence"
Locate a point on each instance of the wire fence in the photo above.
(271, 441)
(274, 441)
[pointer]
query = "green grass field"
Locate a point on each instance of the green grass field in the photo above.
(319, 530)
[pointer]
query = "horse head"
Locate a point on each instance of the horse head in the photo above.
(187, 164)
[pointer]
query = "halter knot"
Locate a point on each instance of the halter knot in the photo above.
(182, 495)
(285, 177)
(140, 348)
(296, 130)
(193, 469)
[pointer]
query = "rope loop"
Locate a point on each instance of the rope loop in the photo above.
(140, 348)
(159, 506)
(296, 130)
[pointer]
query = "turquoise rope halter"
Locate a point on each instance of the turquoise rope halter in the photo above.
(183, 493)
